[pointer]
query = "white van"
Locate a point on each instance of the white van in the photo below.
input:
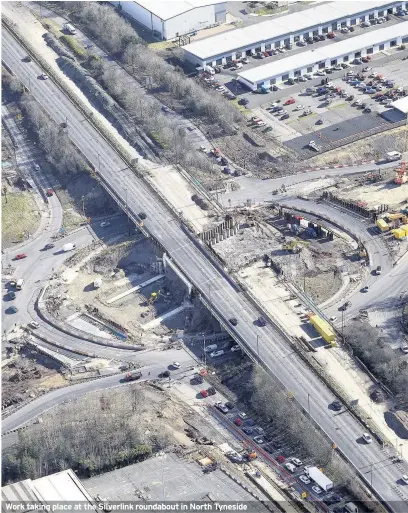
(69, 28)
(209, 70)
(393, 155)
(211, 348)
(19, 284)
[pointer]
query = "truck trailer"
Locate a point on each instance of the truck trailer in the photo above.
(319, 478)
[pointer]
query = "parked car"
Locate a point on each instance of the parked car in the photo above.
(321, 37)
(317, 490)
(20, 256)
(291, 467)
(247, 430)
(104, 224)
(336, 405)
(304, 479)
(233, 321)
(242, 415)
(290, 101)
(243, 101)
(44, 76)
(12, 294)
(367, 438)
(204, 393)
(50, 245)
(142, 215)
(164, 374)
(297, 462)
(331, 35)
(216, 354)
(238, 421)
(211, 391)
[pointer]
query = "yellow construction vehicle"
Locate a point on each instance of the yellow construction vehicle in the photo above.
(154, 296)
(397, 215)
(294, 246)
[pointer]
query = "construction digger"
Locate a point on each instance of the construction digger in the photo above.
(295, 246)
(249, 453)
(154, 297)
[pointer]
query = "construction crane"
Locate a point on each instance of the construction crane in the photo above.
(401, 174)
(293, 246)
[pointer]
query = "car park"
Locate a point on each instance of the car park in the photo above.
(304, 479)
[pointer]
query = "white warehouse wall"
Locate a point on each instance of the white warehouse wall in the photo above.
(196, 19)
(189, 21)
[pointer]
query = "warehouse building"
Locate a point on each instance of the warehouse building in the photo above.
(322, 19)
(401, 106)
(328, 56)
(171, 19)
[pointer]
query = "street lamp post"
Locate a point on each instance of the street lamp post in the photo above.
(257, 345)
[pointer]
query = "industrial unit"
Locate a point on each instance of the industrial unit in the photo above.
(401, 105)
(281, 31)
(299, 64)
(168, 20)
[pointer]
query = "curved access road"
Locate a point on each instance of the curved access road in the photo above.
(344, 430)
(152, 362)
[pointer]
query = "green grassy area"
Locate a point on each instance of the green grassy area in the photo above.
(51, 25)
(339, 106)
(20, 217)
(73, 44)
(241, 108)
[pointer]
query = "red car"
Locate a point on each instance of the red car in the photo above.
(280, 459)
(204, 393)
(331, 35)
(50, 192)
(290, 101)
(266, 54)
(20, 256)
(238, 421)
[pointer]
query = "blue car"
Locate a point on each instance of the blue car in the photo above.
(370, 90)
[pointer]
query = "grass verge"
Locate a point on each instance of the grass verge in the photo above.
(20, 217)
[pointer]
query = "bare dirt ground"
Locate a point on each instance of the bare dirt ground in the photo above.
(316, 268)
(27, 374)
(121, 267)
(179, 193)
(374, 147)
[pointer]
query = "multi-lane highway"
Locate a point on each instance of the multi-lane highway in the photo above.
(343, 429)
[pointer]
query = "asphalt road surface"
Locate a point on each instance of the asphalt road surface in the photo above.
(152, 363)
(343, 429)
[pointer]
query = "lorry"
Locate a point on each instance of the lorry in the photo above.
(319, 478)
(68, 247)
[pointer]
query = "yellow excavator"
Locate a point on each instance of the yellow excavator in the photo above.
(154, 297)
(295, 246)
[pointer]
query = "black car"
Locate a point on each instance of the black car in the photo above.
(142, 215)
(291, 81)
(223, 161)
(233, 321)
(261, 321)
(164, 374)
(285, 116)
(27, 58)
(49, 246)
(316, 38)
(336, 405)
(229, 405)
(211, 391)
(351, 29)
(196, 380)
(321, 37)
(243, 101)
(319, 122)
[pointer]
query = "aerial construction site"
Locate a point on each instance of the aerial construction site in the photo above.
(204, 255)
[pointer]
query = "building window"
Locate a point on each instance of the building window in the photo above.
(273, 81)
(277, 44)
(268, 47)
(371, 17)
(353, 21)
(380, 13)
(345, 58)
(287, 41)
(405, 39)
(393, 43)
(325, 30)
(381, 47)
(357, 55)
(322, 65)
(310, 69)
(297, 73)
(259, 85)
(258, 49)
(238, 55)
(333, 62)
(218, 62)
(370, 50)
(285, 77)
(315, 32)
(229, 58)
